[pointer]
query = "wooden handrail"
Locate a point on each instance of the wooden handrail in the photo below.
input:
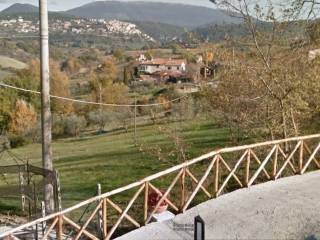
(214, 157)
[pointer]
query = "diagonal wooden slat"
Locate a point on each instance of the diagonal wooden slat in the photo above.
(165, 195)
(232, 172)
(45, 236)
(119, 210)
(229, 169)
(78, 228)
(309, 151)
(259, 162)
(197, 181)
(288, 159)
(285, 157)
(263, 164)
(200, 183)
(310, 159)
(171, 204)
(115, 226)
(88, 221)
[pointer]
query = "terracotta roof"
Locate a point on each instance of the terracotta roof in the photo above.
(164, 61)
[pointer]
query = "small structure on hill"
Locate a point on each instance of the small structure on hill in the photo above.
(162, 64)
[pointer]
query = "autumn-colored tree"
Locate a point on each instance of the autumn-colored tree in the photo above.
(72, 65)
(59, 85)
(102, 78)
(266, 85)
(22, 118)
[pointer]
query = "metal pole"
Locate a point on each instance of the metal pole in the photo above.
(45, 105)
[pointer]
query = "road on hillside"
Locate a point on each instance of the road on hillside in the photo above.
(288, 208)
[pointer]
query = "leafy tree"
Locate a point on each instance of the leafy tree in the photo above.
(22, 118)
(102, 78)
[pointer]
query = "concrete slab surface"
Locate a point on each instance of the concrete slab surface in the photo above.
(288, 208)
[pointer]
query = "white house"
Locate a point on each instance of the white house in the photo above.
(162, 64)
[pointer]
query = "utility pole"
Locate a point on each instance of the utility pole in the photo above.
(46, 123)
(135, 114)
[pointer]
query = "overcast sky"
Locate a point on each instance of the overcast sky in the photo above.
(67, 4)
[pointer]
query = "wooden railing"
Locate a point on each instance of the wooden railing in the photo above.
(209, 176)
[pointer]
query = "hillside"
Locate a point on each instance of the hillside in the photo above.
(168, 13)
(160, 31)
(29, 12)
(20, 8)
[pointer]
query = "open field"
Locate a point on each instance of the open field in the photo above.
(6, 62)
(4, 74)
(113, 159)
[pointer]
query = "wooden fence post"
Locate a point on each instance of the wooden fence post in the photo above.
(100, 217)
(146, 199)
(216, 178)
(104, 218)
(275, 163)
(43, 213)
(247, 176)
(301, 157)
(22, 190)
(183, 189)
(58, 190)
(60, 228)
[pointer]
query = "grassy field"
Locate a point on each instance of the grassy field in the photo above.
(6, 62)
(114, 160)
(4, 74)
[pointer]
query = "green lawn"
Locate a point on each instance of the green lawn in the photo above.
(113, 159)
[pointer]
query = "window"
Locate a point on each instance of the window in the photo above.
(169, 68)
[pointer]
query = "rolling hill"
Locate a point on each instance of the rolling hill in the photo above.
(20, 8)
(169, 13)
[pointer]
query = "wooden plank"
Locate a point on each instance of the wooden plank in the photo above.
(247, 173)
(104, 218)
(88, 221)
(216, 175)
(165, 195)
(229, 169)
(200, 183)
(262, 165)
(275, 163)
(12, 169)
(158, 175)
(59, 230)
(146, 199)
(232, 172)
(183, 188)
(311, 158)
(301, 157)
(119, 210)
(285, 156)
(45, 236)
(194, 179)
(77, 227)
(115, 226)
(288, 159)
(314, 159)
(171, 204)
(259, 162)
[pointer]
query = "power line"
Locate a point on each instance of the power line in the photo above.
(90, 102)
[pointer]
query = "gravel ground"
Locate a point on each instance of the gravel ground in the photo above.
(288, 208)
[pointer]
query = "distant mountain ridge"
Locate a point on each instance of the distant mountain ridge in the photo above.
(20, 8)
(169, 13)
(180, 15)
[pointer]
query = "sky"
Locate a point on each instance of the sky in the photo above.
(59, 5)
